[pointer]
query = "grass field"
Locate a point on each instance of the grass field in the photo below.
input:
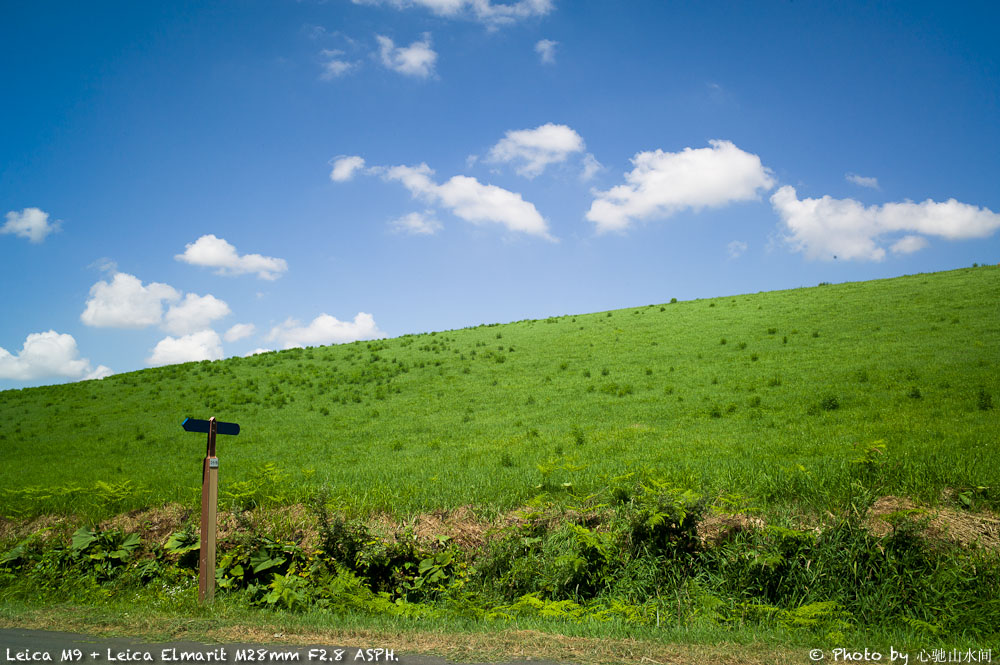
(814, 466)
(788, 399)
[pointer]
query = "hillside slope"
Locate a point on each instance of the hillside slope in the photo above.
(813, 398)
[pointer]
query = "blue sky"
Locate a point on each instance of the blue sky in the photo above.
(182, 181)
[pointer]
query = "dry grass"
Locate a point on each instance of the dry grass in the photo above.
(154, 525)
(47, 526)
(718, 528)
(941, 524)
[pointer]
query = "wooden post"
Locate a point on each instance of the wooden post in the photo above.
(209, 502)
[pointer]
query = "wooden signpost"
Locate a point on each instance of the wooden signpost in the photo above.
(209, 501)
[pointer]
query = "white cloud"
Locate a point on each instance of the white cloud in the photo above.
(48, 354)
(325, 329)
(844, 228)
(590, 167)
(736, 249)
(484, 11)
(664, 183)
(100, 372)
(334, 66)
(194, 313)
(105, 265)
(862, 181)
(345, 166)
(909, 244)
(215, 252)
(30, 223)
(536, 148)
(417, 59)
(203, 345)
(471, 200)
(126, 303)
(417, 223)
(239, 331)
(546, 49)
(257, 352)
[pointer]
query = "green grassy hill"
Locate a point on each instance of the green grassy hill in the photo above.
(810, 399)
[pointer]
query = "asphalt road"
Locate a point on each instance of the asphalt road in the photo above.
(24, 647)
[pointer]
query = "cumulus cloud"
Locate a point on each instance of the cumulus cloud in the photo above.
(736, 249)
(417, 223)
(909, 244)
(546, 50)
(325, 329)
(126, 303)
(829, 228)
(862, 181)
(30, 223)
(534, 149)
(334, 65)
(48, 355)
(213, 252)
(202, 345)
(664, 183)
(416, 60)
(194, 313)
(239, 331)
(484, 11)
(469, 199)
(257, 351)
(345, 166)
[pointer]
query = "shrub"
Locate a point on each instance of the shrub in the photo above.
(619, 390)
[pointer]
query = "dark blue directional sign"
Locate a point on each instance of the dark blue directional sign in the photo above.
(195, 425)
